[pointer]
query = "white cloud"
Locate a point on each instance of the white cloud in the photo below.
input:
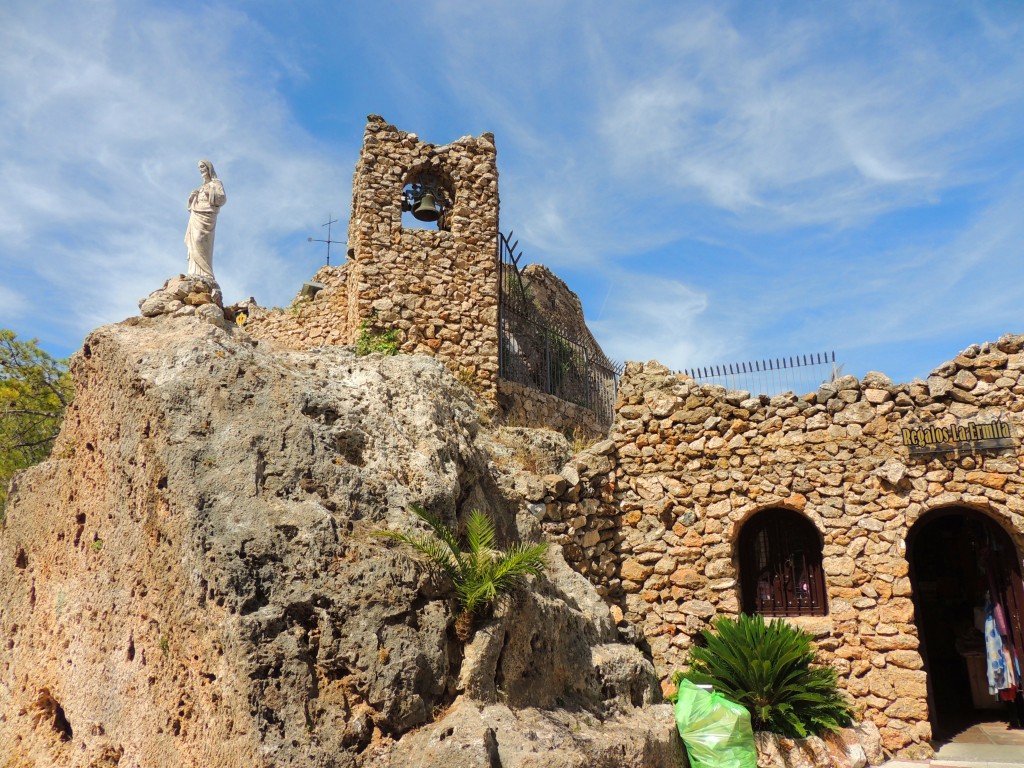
(12, 305)
(104, 111)
(656, 319)
(819, 176)
(781, 121)
(786, 179)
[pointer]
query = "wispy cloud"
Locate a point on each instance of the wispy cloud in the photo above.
(103, 115)
(656, 319)
(817, 177)
(787, 120)
(750, 179)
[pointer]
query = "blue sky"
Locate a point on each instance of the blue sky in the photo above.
(717, 181)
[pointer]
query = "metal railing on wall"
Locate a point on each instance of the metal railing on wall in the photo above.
(800, 374)
(538, 354)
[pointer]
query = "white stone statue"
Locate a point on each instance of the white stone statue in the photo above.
(204, 204)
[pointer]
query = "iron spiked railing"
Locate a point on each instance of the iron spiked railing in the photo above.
(799, 374)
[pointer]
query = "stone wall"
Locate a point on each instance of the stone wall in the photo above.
(527, 407)
(322, 320)
(652, 516)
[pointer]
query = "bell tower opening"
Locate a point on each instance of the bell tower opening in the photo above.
(423, 245)
(427, 202)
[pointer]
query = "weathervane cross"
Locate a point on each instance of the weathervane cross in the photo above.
(328, 240)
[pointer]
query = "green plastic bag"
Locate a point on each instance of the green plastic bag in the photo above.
(716, 731)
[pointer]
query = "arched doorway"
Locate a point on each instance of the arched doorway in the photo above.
(957, 558)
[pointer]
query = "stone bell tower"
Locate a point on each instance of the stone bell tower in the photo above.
(437, 287)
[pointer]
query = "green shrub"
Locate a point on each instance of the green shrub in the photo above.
(481, 574)
(369, 340)
(768, 669)
(35, 388)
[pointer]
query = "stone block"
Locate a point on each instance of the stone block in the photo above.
(720, 568)
(988, 479)
(905, 659)
(635, 571)
(938, 386)
(838, 566)
(898, 642)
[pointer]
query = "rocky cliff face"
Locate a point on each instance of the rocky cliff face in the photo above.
(192, 580)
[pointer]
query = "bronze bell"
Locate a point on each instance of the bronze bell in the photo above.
(426, 209)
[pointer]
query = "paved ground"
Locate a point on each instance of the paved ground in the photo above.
(985, 745)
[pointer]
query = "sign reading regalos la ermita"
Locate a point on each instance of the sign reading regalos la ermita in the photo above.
(968, 437)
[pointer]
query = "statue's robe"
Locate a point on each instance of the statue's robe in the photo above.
(202, 222)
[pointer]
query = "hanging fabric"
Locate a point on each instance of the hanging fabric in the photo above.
(1000, 674)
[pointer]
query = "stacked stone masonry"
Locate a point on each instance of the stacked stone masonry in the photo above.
(317, 321)
(652, 515)
(525, 406)
(437, 287)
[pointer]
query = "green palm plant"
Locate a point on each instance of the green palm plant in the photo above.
(768, 669)
(481, 574)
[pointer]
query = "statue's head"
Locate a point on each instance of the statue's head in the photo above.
(206, 168)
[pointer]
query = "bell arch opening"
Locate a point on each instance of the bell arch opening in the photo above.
(427, 200)
(962, 565)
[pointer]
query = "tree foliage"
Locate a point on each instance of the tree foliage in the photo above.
(481, 574)
(35, 388)
(768, 669)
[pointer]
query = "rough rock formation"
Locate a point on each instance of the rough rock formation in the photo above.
(558, 305)
(192, 580)
(186, 295)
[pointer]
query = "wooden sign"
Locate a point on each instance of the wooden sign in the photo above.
(968, 437)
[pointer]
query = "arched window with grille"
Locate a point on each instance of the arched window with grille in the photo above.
(780, 565)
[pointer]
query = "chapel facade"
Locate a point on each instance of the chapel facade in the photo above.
(886, 519)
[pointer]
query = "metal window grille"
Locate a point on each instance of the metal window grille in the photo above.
(780, 566)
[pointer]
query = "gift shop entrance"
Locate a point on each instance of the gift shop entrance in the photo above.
(969, 608)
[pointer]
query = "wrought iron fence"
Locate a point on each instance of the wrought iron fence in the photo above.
(538, 354)
(800, 374)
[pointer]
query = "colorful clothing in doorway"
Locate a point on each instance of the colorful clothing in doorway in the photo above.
(998, 657)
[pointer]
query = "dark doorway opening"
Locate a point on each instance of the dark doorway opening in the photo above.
(958, 556)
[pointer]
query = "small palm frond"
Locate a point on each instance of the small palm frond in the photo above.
(479, 533)
(481, 574)
(435, 551)
(475, 594)
(521, 560)
(501, 574)
(442, 531)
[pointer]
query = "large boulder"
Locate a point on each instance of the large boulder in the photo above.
(193, 579)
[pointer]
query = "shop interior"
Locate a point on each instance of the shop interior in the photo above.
(958, 557)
